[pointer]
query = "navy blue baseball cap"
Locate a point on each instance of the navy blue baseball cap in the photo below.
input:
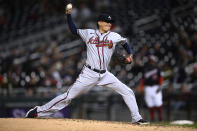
(106, 18)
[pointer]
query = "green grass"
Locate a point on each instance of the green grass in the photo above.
(168, 124)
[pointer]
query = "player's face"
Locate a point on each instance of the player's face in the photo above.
(104, 26)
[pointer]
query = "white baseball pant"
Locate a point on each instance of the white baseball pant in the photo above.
(86, 80)
(152, 98)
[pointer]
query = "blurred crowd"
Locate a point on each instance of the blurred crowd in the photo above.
(40, 63)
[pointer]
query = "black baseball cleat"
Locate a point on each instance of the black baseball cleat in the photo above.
(32, 113)
(142, 122)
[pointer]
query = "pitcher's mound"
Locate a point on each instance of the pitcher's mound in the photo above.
(16, 124)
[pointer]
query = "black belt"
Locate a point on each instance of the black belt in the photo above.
(96, 70)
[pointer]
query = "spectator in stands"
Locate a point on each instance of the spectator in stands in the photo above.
(157, 51)
(84, 12)
(187, 49)
(194, 45)
(193, 79)
(137, 68)
(179, 75)
(191, 85)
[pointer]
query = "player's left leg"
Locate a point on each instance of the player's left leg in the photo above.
(159, 109)
(110, 81)
(158, 102)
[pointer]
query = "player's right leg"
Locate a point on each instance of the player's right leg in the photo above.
(158, 102)
(85, 81)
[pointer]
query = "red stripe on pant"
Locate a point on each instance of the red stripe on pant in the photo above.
(55, 103)
(66, 94)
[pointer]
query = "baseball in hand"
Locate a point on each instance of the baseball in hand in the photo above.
(69, 6)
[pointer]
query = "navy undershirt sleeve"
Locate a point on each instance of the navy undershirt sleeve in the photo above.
(128, 48)
(71, 25)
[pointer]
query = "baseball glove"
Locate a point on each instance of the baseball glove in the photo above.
(123, 59)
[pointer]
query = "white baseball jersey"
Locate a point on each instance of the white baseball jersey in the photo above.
(100, 47)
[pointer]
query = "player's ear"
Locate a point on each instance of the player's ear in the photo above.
(99, 23)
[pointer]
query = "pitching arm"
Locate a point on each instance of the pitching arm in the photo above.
(71, 25)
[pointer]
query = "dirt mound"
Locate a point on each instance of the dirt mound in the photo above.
(16, 124)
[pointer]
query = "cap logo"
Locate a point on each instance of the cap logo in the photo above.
(109, 17)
